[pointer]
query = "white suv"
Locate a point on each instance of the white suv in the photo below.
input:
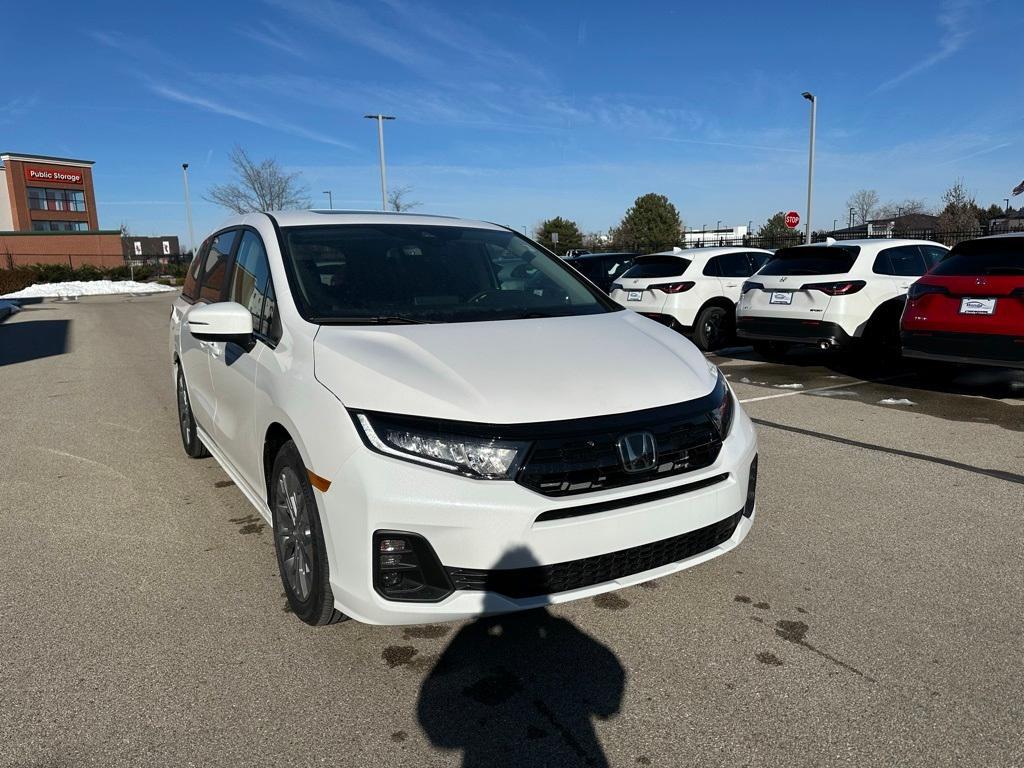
(833, 294)
(422, 408)
(694, 291)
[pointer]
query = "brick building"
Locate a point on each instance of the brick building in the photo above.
(48, 214)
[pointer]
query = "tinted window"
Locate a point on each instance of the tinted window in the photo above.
(215, 266)
(933, 254)
(191, 288)
(657, 266)
(758, 260)
(734, 265)
(250, 279)
(711, 269)
(373, 273)
(904, 260)
(996, 256)
(614, 267)
(812, 260)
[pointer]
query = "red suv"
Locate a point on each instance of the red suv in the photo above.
(970, 307)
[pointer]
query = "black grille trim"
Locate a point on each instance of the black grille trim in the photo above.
(520, 583)
(629, 501)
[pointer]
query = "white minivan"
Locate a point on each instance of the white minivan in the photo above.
(424, 410)
(694, 291)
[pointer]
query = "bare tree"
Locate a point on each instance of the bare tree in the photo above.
(863, 202)
(260, 186)
(398, 200)
(895, 208)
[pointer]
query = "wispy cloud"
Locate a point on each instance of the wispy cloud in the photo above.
(758, 147)
(954, 20)
(209, 105)
(983, 151)
(17, 108)
(271, 36)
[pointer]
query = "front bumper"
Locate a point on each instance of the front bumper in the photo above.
(484, 530)
(971, 348)
(791, 330)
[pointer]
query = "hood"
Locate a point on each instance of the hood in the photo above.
(512, 371)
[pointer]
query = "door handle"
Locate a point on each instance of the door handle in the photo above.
(732, 285)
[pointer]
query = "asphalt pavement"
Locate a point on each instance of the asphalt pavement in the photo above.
(872, 617)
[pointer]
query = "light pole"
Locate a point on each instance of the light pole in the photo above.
(852, 210)
(380, 143)
(1007, 200)
(810, 161)
(834, 222)
(330, 199)
(188, 210)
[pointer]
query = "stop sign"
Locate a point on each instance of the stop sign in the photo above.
(792, 219)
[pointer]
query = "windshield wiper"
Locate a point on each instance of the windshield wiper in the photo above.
(369, 320)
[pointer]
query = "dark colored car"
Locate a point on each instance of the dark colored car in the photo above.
(970, 307)
(602, 268)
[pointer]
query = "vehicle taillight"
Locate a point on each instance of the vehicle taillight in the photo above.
(673, 287)
(917, 290)
(750, 285)
(842, 288)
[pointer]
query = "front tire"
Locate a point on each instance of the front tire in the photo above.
(299, 541)
(187, 421)
(713, 329)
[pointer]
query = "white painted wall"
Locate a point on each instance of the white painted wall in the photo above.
(6, 215)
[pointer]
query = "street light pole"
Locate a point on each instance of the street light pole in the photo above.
(330, 199)
(188, 210)
(810, 161)
(1007, 205)
(383, 169)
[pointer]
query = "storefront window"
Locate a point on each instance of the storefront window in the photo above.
(60, 226)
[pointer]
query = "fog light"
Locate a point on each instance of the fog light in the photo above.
(391, 580)
(748, 507)
(407, 569)
(392, 545)
(390, 561)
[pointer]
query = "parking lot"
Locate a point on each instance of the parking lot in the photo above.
(873, 615)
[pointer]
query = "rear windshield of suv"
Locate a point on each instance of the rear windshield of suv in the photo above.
(813, 260)
(403, 273)
(657, 266)
(998, 256)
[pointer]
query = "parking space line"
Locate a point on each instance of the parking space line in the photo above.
(998, 474)
(792, 392)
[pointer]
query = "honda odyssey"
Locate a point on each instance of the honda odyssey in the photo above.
(440, 419)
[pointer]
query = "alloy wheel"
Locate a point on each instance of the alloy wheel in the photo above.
(294, 533)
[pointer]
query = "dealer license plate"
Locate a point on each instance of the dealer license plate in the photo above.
(969, 306)
(634, 296)
(781, 297)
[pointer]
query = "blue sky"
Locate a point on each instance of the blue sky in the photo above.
(514, 112)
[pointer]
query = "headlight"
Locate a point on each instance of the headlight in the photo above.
(413, 440)
(724, 409)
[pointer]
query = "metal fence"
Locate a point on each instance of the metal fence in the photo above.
(774, 242)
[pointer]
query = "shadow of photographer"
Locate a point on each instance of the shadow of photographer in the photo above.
(521, 689)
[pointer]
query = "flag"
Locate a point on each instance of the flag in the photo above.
(1018, 189)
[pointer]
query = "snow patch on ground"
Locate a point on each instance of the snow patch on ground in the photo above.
(789, 386)
(896, 401)
(86, 288)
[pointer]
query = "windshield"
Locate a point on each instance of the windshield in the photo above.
(657, 266)
(815, 260)
(998, 256)
(393, 273)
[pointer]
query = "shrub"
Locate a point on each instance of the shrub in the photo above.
(12, 280)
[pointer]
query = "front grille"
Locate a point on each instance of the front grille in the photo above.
(590, 461)
(575, 574)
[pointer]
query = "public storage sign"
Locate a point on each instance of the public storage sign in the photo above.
(52, 174)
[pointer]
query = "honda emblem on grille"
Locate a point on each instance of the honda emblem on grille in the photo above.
(638, 451)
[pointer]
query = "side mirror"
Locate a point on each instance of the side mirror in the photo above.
(224, 321)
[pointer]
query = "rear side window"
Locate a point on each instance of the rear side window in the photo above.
(995, 256)
(250, 281)
(216, 264)
(190, 290)
(711, 269)
(657, 266)
(933, 254)
(734, 265)
(812, 260)
(903, 260)
(758, 260)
